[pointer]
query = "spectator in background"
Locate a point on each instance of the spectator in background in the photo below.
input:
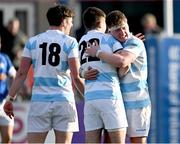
(7, 70)
(150, 25)
(13, 41)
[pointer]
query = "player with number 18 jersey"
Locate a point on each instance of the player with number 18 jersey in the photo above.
(54, 57)
(52, 80)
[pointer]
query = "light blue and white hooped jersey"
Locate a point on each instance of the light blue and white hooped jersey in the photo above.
(134, 85)
(50, 52)
(6, 70)
(106, 86)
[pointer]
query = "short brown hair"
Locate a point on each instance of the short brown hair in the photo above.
(115, 18)
(55, 15)
(91, 17)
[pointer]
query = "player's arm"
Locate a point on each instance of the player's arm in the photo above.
(123, 57)
(74, 68)
(20, 76)
(128, 58)
(16, 85)
(119, 59)
(11, 71)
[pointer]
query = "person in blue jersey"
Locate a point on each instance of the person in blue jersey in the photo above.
(104, 108)
(7, 74)
(54, 56)
(133, 85)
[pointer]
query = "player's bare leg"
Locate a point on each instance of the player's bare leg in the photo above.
(140, 140)
(118, 136)
(106, 137)
(6, 134)
(37, 137)
(63, 137)
(93, 136)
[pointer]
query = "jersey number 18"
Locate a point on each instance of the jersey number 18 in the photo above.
(53, 56)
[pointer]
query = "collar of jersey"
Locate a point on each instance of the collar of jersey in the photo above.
(94, 31)
(58, 31)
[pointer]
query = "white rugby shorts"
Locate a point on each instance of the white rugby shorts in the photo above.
(138, 121)
(61, 116)
(104, 113)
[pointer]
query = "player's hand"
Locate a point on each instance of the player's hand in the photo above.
(140, 36)
(91, 49)
(91, 74)
(8, 108)
(123, 71)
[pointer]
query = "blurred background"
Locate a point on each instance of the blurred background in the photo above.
(158, 20)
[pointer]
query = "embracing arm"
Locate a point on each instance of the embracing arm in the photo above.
(121, 58)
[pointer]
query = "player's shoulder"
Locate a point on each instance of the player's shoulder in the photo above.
(69, 39)
(133, 40)
(92, 34)
(109, 36)
(109, 39)
(32, 41)
(34, 38)
(85, 37)
(136, 39)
